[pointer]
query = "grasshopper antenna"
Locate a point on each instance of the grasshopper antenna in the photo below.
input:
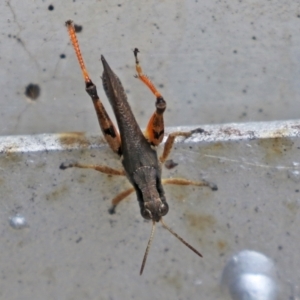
(180, 238)
(148, 248)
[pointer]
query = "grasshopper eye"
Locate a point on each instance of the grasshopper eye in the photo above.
(164, 208)
(146, 213)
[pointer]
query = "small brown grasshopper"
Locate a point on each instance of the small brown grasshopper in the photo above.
(139, 158)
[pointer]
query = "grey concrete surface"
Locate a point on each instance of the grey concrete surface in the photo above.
(215, 62)
(67, 246)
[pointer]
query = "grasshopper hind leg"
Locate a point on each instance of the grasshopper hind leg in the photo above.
(155, 129)
(118, 199)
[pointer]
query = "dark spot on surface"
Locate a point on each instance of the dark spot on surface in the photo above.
(112, 210)
(280, 247)
(50, 7)
(155, 25)
(235, 51)
(254, 38)
(32, 91)
(15, 37)
(296, 191)
(62, 56)
(119, 5)
(260, 110)
(78, 28)
(161, 85)
(79, 240)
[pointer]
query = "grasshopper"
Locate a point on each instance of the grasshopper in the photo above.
(139, 158)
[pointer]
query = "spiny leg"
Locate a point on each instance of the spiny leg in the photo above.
(106, 170)
(170, 141)
(99, 168)
(182, 181)
(119, 198)
(109, 130)
(155, 128)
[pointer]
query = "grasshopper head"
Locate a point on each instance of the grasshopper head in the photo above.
(150, 193)
(154, 209)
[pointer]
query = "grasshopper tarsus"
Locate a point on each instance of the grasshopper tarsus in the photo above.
(112, 210)
(213, 186)
(136, 51)
(66, 165)
(69, 23)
